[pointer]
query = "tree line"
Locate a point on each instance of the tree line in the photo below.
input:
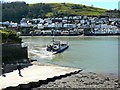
(15, 11)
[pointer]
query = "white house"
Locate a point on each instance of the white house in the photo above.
(69, 25)
(82, 21)
(40, 26)
(51, 25)
(13, 24)
(23, 24)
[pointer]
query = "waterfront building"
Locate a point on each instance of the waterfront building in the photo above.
(66, 23)
(69, 25)
(40, 26)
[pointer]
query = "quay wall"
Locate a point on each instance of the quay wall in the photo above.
(12, 53)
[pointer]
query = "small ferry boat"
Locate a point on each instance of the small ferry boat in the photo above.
(57, 46)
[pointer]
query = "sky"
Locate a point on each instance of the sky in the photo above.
(106, 4)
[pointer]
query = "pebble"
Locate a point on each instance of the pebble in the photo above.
(84, 80)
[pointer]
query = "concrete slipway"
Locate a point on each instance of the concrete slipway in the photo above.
(34, 76)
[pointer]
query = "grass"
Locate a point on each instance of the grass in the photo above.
(83, 10)
(76, 9)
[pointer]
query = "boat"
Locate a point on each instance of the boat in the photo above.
(57, 46)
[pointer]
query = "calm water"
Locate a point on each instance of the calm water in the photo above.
(98, 54)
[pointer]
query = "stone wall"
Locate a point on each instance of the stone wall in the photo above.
(12, 53)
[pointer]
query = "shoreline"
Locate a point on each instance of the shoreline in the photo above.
(111, 80)
(37, 72)
(84, 80)
(83, 70)
(73, 36)
(78, 80)
(11, 67)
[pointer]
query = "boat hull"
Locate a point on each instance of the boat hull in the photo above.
(61, 50)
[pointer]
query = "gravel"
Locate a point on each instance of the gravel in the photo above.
(84, 80)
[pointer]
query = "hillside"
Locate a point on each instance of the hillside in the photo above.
(75, 9)
(14, 11)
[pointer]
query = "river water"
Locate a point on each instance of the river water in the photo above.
(94, 54)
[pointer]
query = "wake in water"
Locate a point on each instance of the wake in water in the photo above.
(39, 52)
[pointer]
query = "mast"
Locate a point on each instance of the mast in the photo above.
(59, 44)
(53, 39)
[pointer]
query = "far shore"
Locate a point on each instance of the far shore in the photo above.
(73, 36)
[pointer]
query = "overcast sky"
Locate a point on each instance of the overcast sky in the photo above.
(107, 4)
